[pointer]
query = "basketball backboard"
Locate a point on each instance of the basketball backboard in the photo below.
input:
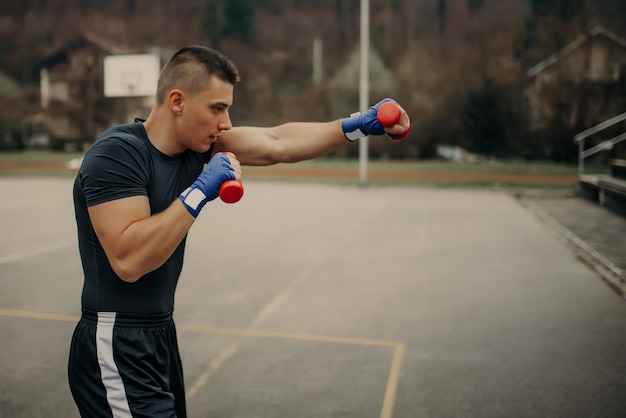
(133, 75)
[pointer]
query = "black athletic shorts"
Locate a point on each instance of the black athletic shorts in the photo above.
(126, 366)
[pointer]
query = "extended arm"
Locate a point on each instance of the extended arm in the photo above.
(287, 143)
(299, 141)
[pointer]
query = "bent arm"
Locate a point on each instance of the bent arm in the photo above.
(135, 242)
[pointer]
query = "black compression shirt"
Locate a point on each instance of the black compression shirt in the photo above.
(123, 163)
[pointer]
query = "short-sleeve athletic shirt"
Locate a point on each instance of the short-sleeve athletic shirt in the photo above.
(122, 163)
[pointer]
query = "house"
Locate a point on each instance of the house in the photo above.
(9, 88)
(10, 128)
(345, 87)
(582, 84)
(74, 109)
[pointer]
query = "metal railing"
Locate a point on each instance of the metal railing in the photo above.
(605, 145)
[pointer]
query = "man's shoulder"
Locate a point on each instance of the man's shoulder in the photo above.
(123, 144)
(120, 154)
(129, 134)
(121, 139)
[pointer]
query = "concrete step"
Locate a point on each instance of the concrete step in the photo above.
(605, 190)
(618, 169)
(597, 234)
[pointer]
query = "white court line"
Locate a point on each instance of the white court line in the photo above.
(37, 251)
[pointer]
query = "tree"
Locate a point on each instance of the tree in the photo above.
(474, 5)
(228, 18)
(99, 5)
(441, 14)
(490, 121)
(564, 10)
(238, 16)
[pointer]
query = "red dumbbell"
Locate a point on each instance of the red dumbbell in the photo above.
(231, 191)
(389, 114)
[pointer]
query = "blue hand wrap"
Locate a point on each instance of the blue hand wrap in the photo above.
(359, 125)
(207, 185)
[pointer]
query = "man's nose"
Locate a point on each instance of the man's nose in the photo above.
(225, 123)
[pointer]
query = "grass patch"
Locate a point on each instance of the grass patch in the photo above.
(38, 157)
(513, 174)
(437, 166)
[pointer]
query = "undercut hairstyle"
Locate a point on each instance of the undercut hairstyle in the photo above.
(191, 68)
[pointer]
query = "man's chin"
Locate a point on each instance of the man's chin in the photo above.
(203, 148)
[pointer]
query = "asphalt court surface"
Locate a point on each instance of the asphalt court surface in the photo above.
(327, 301)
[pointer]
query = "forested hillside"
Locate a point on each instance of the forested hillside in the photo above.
(442, 54)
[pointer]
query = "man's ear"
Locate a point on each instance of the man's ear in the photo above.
(176, 98)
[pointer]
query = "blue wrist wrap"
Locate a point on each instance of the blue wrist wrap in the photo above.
(359, 125)
(207, 185)
(194, 200)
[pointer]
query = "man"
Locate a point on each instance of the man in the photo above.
(138, 191)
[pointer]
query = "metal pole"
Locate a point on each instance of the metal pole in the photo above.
(317, 60)
(581, 162)
(364, 86)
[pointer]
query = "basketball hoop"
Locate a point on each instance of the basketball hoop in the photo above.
(134, 75)
(130, 79)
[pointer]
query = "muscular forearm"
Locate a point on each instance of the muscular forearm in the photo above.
(305, 141)
(286, 143)
(299, 141)
(135, 242)
(148, 243)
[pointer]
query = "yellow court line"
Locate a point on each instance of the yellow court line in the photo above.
(289, 336)
(391, 389)
(223, 331)
(214, 366)
(38, 315)
(37, 251)
(271, 307)
(392, 381)
(231, 350)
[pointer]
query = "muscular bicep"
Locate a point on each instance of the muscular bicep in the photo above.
(136, 242)
(286, 143)
(251, 145)
(111, 219)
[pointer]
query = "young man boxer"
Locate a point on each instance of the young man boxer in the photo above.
(137, 194)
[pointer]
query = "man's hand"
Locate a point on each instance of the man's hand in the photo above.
(360, 125)
(220, 168)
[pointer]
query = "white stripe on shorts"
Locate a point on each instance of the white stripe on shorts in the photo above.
(116, 394)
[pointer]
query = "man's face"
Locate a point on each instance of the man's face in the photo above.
(205, 116)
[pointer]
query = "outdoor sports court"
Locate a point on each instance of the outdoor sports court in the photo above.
(310, 300)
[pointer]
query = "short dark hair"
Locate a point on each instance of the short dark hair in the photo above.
(189, 68)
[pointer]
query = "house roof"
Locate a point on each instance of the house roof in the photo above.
(87, 38)
(572, 46)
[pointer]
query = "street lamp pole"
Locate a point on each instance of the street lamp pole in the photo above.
(364, 86)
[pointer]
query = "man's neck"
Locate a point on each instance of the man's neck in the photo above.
(161, 133)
